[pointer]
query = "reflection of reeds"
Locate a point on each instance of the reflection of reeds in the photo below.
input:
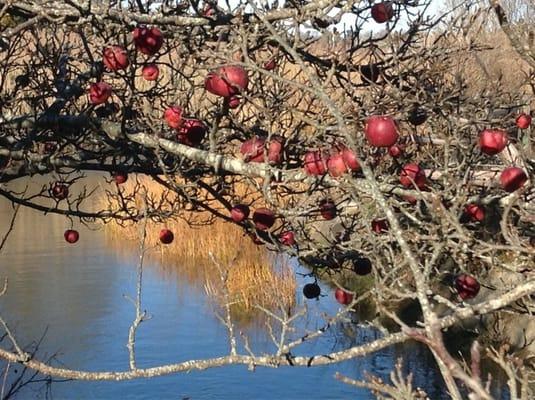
(253, 276)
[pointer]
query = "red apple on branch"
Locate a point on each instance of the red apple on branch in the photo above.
(412, 173)
(340, 160)
(263, 218)
(60, 191)
(493, 141)
(115, 58)
(150, 72)
(254, 148)
(315, 163)
(239, 213)
(120, 177)
(523, 121)
(380, 225)
(71, 236)
(343, 297)
(513, 178)
(350, 159)
(328, 209)
(395, 151)
(166, 236)
(410, 199)
(227, 81)
(233, 102)
(147, 40)
(336, 165)
(208, 11)
(287, 238)
(99, 92)
(467, 286)
(270, 64)
(191, 132)
(381, 131)
(475, 212)
(275, 148)
(382, 12)
(173, 116)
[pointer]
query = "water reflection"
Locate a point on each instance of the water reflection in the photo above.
(77, 292)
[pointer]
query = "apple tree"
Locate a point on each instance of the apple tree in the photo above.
(362, 137)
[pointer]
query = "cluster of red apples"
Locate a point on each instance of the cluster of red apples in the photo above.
(492, 142)
(467, 288)
(227, 82)
(361, 266)
(263, 219)
(116, 58)
(381, 131)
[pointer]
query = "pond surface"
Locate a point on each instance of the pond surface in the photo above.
(76, 294)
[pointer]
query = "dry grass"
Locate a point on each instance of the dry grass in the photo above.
(253, 276)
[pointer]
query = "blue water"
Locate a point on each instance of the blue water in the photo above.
(76, 293)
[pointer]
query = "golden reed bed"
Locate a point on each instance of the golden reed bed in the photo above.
(254, 276)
